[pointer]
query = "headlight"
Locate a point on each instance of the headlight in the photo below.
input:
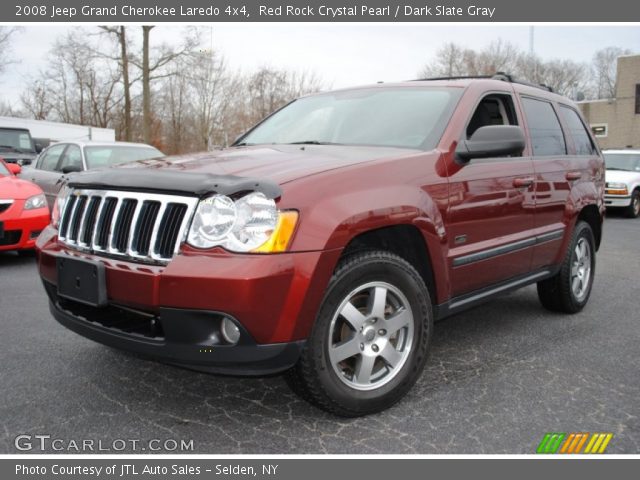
(58, 206)
(37, 201)
(249, 224)
(616, 186)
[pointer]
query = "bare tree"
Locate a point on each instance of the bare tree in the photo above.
(35, 99)
(76, 86)
(604, 70)
(120, 33)
(212, 91)
(155, 65)
(450, 61)
(6, 36)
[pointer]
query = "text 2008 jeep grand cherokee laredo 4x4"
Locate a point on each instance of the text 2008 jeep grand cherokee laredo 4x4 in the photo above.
(326, 241)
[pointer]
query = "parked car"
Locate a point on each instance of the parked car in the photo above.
(23, 210)
(328, 239)
(63, 158)
(17, 146)
(623, 181)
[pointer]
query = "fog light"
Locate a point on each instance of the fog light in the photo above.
(230, 331)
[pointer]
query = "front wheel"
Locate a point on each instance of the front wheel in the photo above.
(633, 210)
(371, 337)
(569, 290)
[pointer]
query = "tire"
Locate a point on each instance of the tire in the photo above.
(385, 296)
(568, 291)
(633, 210)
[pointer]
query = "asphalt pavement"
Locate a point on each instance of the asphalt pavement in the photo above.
(499, 377)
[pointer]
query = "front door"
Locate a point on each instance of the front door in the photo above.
(490, 216)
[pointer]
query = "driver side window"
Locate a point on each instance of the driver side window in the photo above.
(494, 109)
(72, 158)
(50, 158)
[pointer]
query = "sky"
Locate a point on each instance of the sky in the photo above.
(341, 55)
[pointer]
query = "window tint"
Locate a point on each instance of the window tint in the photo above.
(581, 139)
(544, 128)
(50, 158)
(72, 158)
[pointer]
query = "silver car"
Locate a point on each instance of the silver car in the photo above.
(68, 157)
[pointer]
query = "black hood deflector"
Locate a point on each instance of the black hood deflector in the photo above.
(171, 181)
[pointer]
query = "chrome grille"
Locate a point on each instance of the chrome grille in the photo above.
(144, 227)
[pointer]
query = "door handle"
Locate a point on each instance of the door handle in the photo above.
(571, 176)
(522, 182)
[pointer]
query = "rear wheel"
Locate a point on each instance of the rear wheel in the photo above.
(569, 290)
(371, 337)
(633, 210)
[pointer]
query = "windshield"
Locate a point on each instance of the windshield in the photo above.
(18, 140)
(3, 170)
(629, 162)
(413, 117)
(108, 155)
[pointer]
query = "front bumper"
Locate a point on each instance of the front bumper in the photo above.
(173, 312)
(617, 200)
(20, 232)
(189, 345)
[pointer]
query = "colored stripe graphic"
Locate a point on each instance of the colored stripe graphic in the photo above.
(598, 443)
(550, 442)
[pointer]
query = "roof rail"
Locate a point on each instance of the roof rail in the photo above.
(502, 76)
(505, 77)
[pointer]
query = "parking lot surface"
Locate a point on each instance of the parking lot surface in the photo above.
(499, 377)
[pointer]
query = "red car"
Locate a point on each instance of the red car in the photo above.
(329, 238)
(23, 210)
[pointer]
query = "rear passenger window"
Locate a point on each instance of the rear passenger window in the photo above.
(581, 139)
(544, 128)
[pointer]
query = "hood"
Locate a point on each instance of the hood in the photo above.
(227, 171)
(620, 176)
(20, 158)
(14, 188)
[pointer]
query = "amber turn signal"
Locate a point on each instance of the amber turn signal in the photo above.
(279, 240)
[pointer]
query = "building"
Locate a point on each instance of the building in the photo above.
(616, 122)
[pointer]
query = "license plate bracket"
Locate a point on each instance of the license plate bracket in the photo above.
(82, 280)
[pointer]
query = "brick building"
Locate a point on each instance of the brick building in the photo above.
(616, 121)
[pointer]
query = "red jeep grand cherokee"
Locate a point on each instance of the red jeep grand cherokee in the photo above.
(326, 241)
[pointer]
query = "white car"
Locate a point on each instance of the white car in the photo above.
(622, 189)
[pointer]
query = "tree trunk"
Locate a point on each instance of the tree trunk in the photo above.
(122, 37)
(146, 86)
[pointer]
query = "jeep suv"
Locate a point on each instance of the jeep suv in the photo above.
(17, 146)
(326, 241)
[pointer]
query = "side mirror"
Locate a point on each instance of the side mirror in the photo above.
(38, 147)
(14, 168)
(71, 169)
(492, 141)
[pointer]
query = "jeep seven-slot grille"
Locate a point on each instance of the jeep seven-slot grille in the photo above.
(141, 226)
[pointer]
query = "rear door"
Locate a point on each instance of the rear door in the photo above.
(561, 149)
(490, 214)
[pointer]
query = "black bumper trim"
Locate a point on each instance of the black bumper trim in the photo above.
(244, 359)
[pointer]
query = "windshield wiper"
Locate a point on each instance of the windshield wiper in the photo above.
(621, 169)
(312, 142)
(242, 144)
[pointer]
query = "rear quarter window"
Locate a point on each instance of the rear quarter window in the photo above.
(577, 130)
